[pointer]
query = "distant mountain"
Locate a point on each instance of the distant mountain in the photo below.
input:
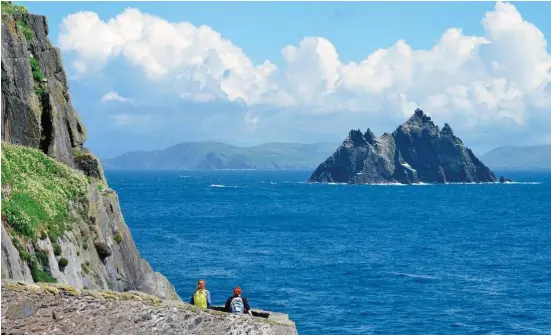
(417, 151)
(536, 157)
(217, 156)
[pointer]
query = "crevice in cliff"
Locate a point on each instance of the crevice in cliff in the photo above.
(46, 124)
(70, 132)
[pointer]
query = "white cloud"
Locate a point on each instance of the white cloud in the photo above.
(114, 96)
(129, 119)
(501, 77)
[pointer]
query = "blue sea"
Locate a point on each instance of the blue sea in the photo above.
(352, 259)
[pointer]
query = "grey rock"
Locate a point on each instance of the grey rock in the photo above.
(59, 309)
(12, 265)
(49, 123)
(504, 180)
(46, 122)
(417, 151)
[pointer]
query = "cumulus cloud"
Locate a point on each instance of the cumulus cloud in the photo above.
(114, 96)
(501, 77)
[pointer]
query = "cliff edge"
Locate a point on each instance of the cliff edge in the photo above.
(60, 220)
(60, 309)
(417, 151)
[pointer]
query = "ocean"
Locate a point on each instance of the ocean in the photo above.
(352, 259)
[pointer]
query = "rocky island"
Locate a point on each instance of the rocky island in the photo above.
(417, 151)
(62, 227)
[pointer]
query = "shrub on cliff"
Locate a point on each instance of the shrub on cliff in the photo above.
(63, 262)
(38, 274)
(103, 250)
(57, 248)
(41, 191)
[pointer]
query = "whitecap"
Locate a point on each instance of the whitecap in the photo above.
(409, 275)
(223, 186)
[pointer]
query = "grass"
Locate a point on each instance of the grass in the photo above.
(42, 190)
(39, 86)
(27, 32)
(35, 68)
(118, 238)
(57, 249)
(42, 257)
(40, 275)
(9, 8)
(35, 262)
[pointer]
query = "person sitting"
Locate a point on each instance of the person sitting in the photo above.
(237, 303)
(201, 297)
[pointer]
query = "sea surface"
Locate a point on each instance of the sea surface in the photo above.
(352, 259)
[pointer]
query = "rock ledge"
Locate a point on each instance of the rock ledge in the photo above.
(62, 309)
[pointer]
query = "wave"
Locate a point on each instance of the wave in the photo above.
(414, 276)
(523, 182)
(223, 186)
(428, 184)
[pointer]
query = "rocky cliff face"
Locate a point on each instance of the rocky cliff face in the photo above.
(417, 151)
(59, 309)
(83, 242)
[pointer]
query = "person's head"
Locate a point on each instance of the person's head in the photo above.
(201, 284)
(237, 291)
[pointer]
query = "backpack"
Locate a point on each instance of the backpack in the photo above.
(200, 298)
(237, 305)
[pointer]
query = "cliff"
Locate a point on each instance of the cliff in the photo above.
(417, 151)
(60, 221)
(60, 309)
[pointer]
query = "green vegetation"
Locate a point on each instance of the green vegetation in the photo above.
(35, 68)
(85, 246)
(23, 254)
(27, 32)
(41, 191)
(57, 249)
(100, 187)
(85, 268)
(35, 262)
(63, 262)
(118, 238)
(9, 8)
(39, 86)
(40, 275)
(42, 257)
(43, 235)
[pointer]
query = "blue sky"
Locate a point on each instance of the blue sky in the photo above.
(149, 110)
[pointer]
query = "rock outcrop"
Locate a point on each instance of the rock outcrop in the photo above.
(60, 309)
(417, 151)
(37, 113)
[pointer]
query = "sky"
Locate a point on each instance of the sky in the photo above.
(147, 75)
